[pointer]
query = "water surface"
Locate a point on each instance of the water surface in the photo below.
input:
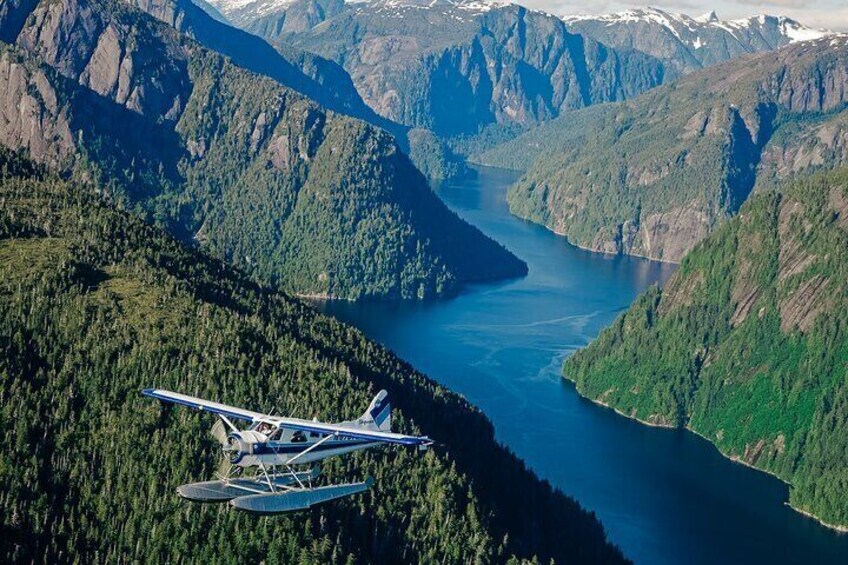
(664, 496)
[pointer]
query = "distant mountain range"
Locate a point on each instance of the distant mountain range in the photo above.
(654, 175)
(458, 67)
(301, 197)
(685, 44)
(454, 67)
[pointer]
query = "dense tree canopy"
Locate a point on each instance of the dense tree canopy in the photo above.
(747, 343)
(95, 305)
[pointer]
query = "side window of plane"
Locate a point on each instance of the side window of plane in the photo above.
(298, 437)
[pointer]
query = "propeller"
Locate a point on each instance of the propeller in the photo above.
(221, 433)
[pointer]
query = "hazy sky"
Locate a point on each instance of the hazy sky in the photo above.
(830, 14)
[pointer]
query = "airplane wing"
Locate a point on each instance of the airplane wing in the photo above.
(204, 405)
(347, 431)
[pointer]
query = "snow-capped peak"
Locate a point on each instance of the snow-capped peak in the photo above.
(465, 5)
(677, 23)
(707, 18)
(258, 7)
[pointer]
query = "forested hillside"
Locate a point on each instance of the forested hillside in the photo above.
(303, 198)
(655, 175)
(95, 304)
(747, 344)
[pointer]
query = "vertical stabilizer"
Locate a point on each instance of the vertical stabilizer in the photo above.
(379, 413)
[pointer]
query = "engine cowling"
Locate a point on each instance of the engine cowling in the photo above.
(244, 443)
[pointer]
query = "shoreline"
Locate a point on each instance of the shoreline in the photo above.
(610, 253)
(591, 250)
(839, 528)
(836, 527)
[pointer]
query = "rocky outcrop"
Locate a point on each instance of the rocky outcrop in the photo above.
(655, 175)
(32, 116)
(109, 55)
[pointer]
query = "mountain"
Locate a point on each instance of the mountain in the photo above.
(655, 175)
(746, 345)
(96, 304)
(685, 44)
(320, 79)
(454, 67)
(273, 18)
(307, 199)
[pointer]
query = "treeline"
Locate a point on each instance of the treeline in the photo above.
(748, 343)
(95, 305)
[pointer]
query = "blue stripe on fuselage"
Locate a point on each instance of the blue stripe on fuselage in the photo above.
(279, 447)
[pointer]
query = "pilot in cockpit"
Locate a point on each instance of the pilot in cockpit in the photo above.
(265, 428)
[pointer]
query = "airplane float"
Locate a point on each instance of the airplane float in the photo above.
(260, 473)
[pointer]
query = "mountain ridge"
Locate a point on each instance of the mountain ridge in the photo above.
(655, 175)
(299, 196)
(456, 68)
(686, 44)
(96, 304)
(745, 345)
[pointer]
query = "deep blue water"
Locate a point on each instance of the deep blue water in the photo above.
(664, 496)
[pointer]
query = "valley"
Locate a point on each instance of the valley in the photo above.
(598, 259)
(664, 495)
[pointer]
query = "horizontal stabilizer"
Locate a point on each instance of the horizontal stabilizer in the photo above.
(222, 491)
(277, 503)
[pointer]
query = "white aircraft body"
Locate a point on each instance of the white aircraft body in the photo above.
(272, 446)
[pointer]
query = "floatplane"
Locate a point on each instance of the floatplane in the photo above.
(260, 467)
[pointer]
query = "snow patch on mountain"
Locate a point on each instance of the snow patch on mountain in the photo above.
(676, 23)
(263, 7)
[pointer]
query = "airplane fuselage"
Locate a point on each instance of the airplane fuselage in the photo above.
(253, 449)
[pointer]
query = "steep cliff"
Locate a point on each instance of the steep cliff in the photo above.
(456, 67)
(655, 175)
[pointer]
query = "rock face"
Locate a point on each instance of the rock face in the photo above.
(320, 79)
(455, 67)
(31, 117)
(655, 175)
(687, 44)
(746, 343)
(317, 78)
(305, 198)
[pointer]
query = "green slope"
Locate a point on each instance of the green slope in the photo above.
(95, 305)
(302, 197)
(747, 344)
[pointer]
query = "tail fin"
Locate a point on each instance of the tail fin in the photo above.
(379, 413)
